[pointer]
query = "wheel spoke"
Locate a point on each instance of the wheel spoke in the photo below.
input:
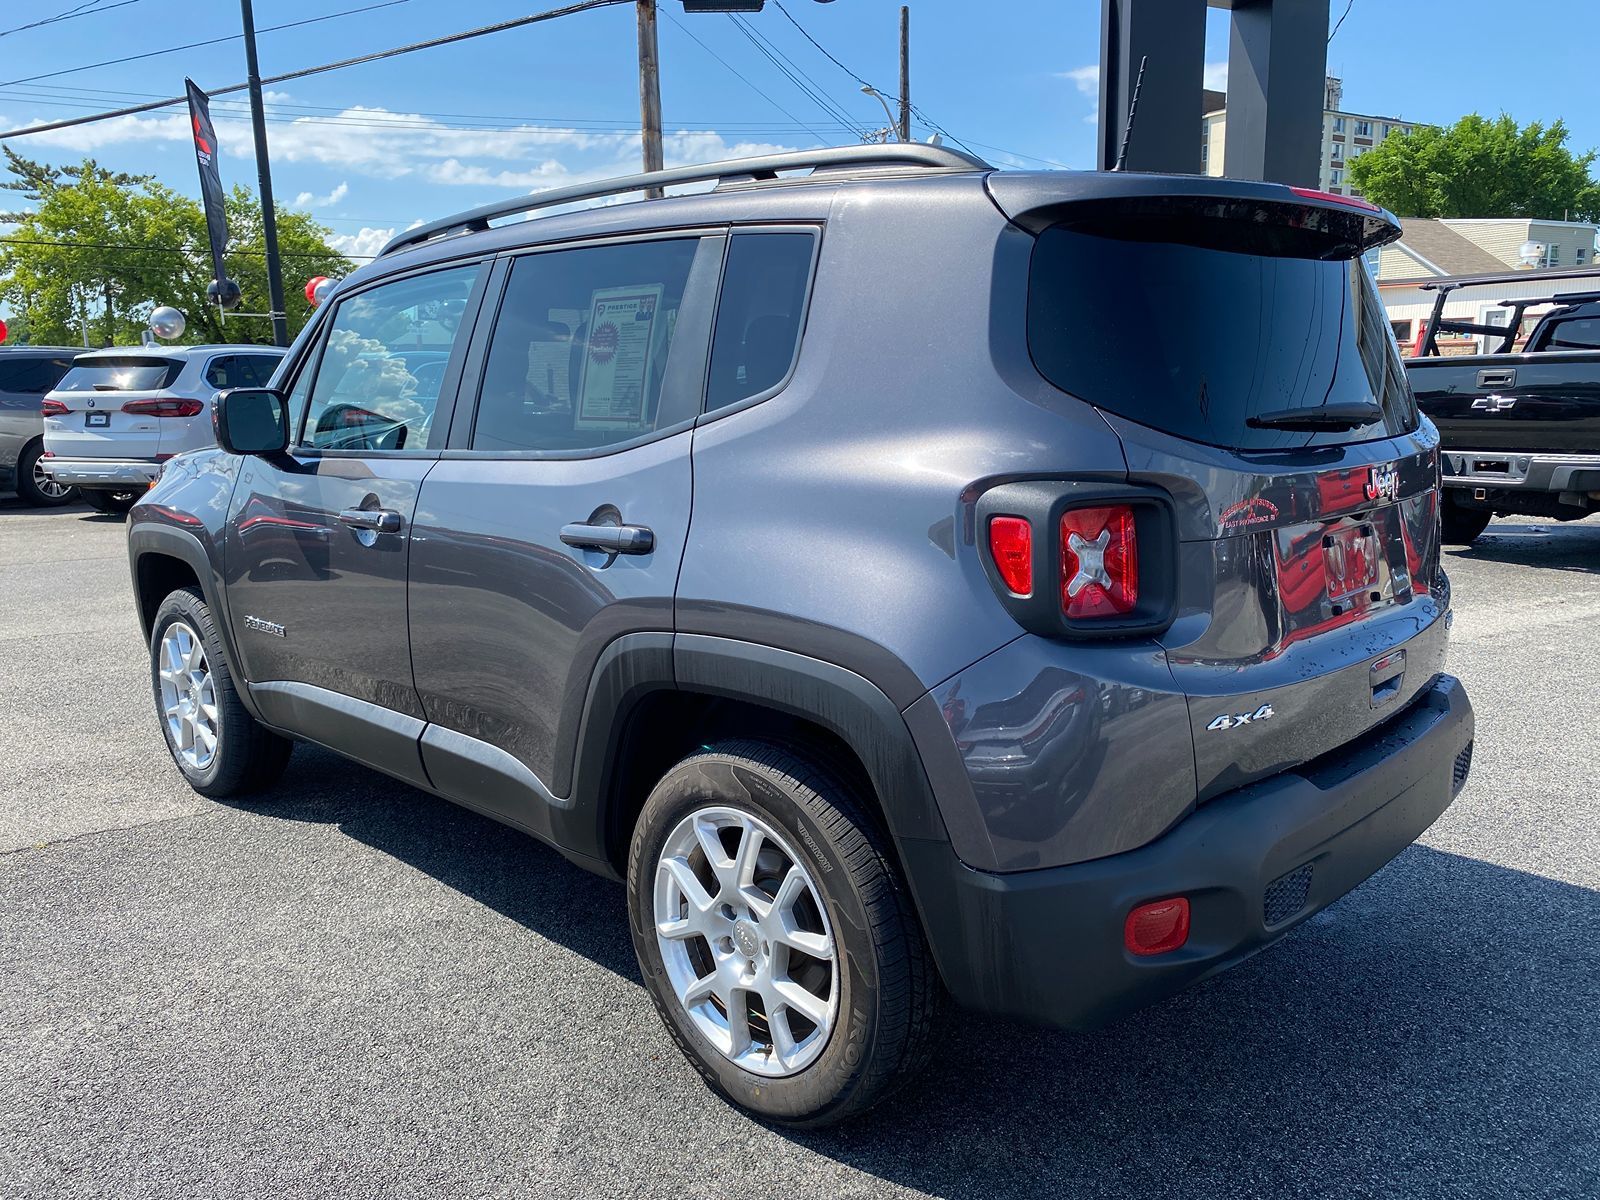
(783, 1044)
(716, 856)
(688, 884)
(700, 990)
(738, 1021)
(817, 945)
(744, 866)
(810, 1006)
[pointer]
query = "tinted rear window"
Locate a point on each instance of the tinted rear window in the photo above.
(130, 374)
(1194, 340)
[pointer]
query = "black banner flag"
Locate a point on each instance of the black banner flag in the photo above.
(205, 153)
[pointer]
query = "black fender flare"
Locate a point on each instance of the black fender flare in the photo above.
(148, 538)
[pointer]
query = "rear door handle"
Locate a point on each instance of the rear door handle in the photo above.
(379, 520)
(612, 539)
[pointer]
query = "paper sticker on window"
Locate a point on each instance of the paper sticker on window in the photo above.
(619, 349)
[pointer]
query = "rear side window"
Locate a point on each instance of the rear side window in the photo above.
(128, 373)
(383, 365)
(241, 370)
(1195, 340)
(580, 352)
(1577, 333)
(31, 375)
(759, 316)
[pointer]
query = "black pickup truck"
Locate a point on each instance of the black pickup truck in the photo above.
(1520, 431)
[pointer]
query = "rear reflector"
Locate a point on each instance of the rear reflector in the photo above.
(165, 407)
(53, 408)
(1011, 543)
(1158, 927)
(1099, 562)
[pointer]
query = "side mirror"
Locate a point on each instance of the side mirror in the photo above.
(251, 421)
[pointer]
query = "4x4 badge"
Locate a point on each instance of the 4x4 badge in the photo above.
(1234, 720)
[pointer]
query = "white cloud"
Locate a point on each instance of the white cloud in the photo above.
(362, 245)
(1087, 81)
(383, 144)
(308, 200)
(1216, 76)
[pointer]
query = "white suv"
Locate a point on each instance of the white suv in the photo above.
(118, 414)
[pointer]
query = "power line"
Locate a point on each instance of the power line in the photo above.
(1340, 21)
(232, 37)
(74, 245)
(794, 72)
(747, 83)
(447, 39)
(86, 9)
(313, 114)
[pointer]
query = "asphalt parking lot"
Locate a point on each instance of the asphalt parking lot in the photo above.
(350, 988)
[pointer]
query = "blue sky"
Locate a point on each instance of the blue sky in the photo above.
(374, 148)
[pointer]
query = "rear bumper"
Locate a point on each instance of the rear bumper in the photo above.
(1047, 945)
(1490, 471)
(104, 472)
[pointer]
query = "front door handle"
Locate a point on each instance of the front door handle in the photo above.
(379, 520)
(612, 539)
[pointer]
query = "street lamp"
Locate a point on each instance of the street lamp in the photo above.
(869, 90)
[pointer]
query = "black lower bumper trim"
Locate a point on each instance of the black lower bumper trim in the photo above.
(1047, 945)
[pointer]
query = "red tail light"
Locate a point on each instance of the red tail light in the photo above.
(1099, 562)
(167, 406)
(53, 408)
(1011, 543)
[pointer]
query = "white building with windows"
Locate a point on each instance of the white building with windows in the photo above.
(1346, 136)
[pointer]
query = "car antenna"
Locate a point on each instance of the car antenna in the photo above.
(1133, 109)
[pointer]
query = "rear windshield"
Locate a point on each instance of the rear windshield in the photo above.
(129, 374)
(1194, 340)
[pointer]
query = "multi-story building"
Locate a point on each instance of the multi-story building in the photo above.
(1346, 136)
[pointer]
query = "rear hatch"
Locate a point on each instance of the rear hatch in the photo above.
(1235, 342)
(95, 393)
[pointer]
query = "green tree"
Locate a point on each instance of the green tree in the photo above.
(1479, 167)
(102, 248)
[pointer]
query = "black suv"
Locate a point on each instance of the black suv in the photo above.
(912, 579)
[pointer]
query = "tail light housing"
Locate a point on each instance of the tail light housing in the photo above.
(1079, 559)
(165, 406)
(53, 408)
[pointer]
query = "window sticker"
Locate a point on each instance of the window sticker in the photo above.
(621, 345)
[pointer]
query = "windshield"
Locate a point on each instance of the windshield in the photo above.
(1196, 340)
(130, 374)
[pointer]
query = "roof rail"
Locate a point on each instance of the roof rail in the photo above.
(763, 167)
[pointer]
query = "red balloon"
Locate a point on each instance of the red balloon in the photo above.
(311, 287)
(3, 331)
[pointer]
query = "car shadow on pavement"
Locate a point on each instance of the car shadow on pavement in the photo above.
(1436, 1032)
(1574, 546)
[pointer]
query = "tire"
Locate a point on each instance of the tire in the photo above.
(1461, 526)
(881, 992)
(36, 488)
(109, 502)
(244, 755)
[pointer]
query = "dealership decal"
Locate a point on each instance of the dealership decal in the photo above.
(1255, 511)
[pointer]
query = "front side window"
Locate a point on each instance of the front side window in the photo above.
(759, 316)
(384, 361)
(579, 355)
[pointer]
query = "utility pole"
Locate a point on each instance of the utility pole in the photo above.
(269, 218)
(649, 92)
(905, 73)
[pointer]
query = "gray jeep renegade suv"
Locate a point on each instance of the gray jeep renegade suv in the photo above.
(914, 580)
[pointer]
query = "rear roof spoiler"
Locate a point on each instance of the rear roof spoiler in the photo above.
(1035, 199)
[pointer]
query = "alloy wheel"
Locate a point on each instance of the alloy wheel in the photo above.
(47, 485)
(744, 935)
(188, 696)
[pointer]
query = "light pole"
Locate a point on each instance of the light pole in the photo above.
(891, 131)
